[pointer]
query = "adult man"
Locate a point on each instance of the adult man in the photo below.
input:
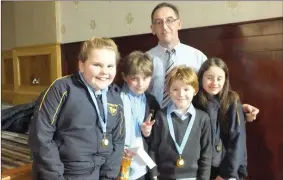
(171, 52)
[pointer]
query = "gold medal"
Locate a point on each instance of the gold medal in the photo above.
(219, 148)
(180, 162)
(104, 142)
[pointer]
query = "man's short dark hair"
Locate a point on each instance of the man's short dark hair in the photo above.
(161, 5)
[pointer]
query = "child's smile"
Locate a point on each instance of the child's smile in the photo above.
(181, 94)
(99, 69)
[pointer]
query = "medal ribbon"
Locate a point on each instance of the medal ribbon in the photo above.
(104, 102)
(187, 133)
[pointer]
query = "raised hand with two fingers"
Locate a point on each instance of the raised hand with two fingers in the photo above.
(146, 127)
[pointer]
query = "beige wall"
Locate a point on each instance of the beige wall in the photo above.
(33, 23)
(28, 23)
(120, 18)
(7, 26)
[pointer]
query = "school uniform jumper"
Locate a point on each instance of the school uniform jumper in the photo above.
(229, 141)
(65, 135)
(196, 154)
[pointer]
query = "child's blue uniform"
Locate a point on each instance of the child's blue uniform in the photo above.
(229, 158)
(65, 135)
(134, 135)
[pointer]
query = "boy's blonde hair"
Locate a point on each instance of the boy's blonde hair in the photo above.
(137, 62)
(97, 43)
(185, 74)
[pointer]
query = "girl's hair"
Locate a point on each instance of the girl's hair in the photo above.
(137, 62)
(186, 74)
(97, 43)
(226, 95)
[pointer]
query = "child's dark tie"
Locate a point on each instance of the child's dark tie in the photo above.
(100, 105)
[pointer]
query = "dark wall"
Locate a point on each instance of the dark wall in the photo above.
(253, 52)
(126, 44)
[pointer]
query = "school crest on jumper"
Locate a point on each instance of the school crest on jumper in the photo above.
(112, 108)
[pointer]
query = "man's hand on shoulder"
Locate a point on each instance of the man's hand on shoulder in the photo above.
(250, 112)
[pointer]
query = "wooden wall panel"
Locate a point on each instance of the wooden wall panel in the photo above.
(42, 62)
(253, 52)
(7, 72)
(258, 77)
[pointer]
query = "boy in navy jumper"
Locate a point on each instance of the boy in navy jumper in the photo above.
(181, 140)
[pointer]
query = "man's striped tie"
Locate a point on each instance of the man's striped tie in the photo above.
(170, 65)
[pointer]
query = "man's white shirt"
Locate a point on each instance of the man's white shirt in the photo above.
(185, 55)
